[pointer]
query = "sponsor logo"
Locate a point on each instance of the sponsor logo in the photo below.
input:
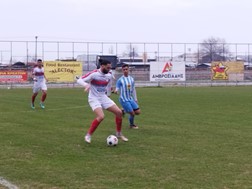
(168, 67)
(220, 71)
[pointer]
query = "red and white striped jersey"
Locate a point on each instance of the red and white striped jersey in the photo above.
(100, 83)
(39, 74)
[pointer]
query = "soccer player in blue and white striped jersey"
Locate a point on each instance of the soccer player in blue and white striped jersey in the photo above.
(128, 98)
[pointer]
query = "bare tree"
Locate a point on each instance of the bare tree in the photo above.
(132, 51)
(213, 49)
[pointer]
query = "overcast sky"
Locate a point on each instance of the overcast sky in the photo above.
(185, 21)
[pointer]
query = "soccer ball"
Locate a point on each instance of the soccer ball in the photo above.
(112, 140)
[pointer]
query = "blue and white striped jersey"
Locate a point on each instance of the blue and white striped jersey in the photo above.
(126, 86)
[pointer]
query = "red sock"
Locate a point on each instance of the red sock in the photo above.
(93, 126)
(33, 98)
(118, 121)
(43, 97)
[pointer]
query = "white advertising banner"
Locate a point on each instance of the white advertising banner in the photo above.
(167, 71)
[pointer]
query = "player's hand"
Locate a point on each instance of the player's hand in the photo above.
(87, 88)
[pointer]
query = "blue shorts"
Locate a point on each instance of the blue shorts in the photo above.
(129, 106)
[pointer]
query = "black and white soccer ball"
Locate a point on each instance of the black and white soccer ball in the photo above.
(112, 140)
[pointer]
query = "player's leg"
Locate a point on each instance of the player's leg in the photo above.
(33, 100)
(44, 95)
(125, 107)
(35, 91)
(98, 119)
(99, 116)
(109, 105)
(118, 119)
(132, 119)
(118, 116)
(136, 111)
(128, 109)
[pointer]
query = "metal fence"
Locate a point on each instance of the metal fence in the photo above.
(29, 51)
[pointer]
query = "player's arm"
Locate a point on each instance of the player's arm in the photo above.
(45, 78)
(112, 79)
(134, 92)
(118, 85)
(33, 75)
(109, 88)
(84, 81)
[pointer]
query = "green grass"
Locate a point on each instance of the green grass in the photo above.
(188, 138)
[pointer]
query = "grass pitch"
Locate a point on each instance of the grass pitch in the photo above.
(187, 138)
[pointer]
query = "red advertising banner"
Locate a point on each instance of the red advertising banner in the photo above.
(13, 76)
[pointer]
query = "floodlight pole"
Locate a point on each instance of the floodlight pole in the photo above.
(36, 43)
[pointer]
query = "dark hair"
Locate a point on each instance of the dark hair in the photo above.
(39, 60)
(125, 65)
(104, 62)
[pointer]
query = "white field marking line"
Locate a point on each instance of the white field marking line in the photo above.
(7, 184)
(54, 109)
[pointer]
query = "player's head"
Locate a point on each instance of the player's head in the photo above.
(105, 66)
(39, 63)
(125, 69)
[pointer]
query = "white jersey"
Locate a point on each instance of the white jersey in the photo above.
(39, 74)
(39, 80)
(100, 83)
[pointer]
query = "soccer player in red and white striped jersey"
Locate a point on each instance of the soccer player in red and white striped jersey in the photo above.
(98, 84)
(39, 84)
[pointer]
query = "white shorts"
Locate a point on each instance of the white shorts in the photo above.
(100, 102)
(39, 86)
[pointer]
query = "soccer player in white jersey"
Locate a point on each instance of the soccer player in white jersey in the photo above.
(39, 84)
(128, 98)
(98, 85)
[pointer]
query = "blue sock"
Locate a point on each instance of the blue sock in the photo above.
(131, 119)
